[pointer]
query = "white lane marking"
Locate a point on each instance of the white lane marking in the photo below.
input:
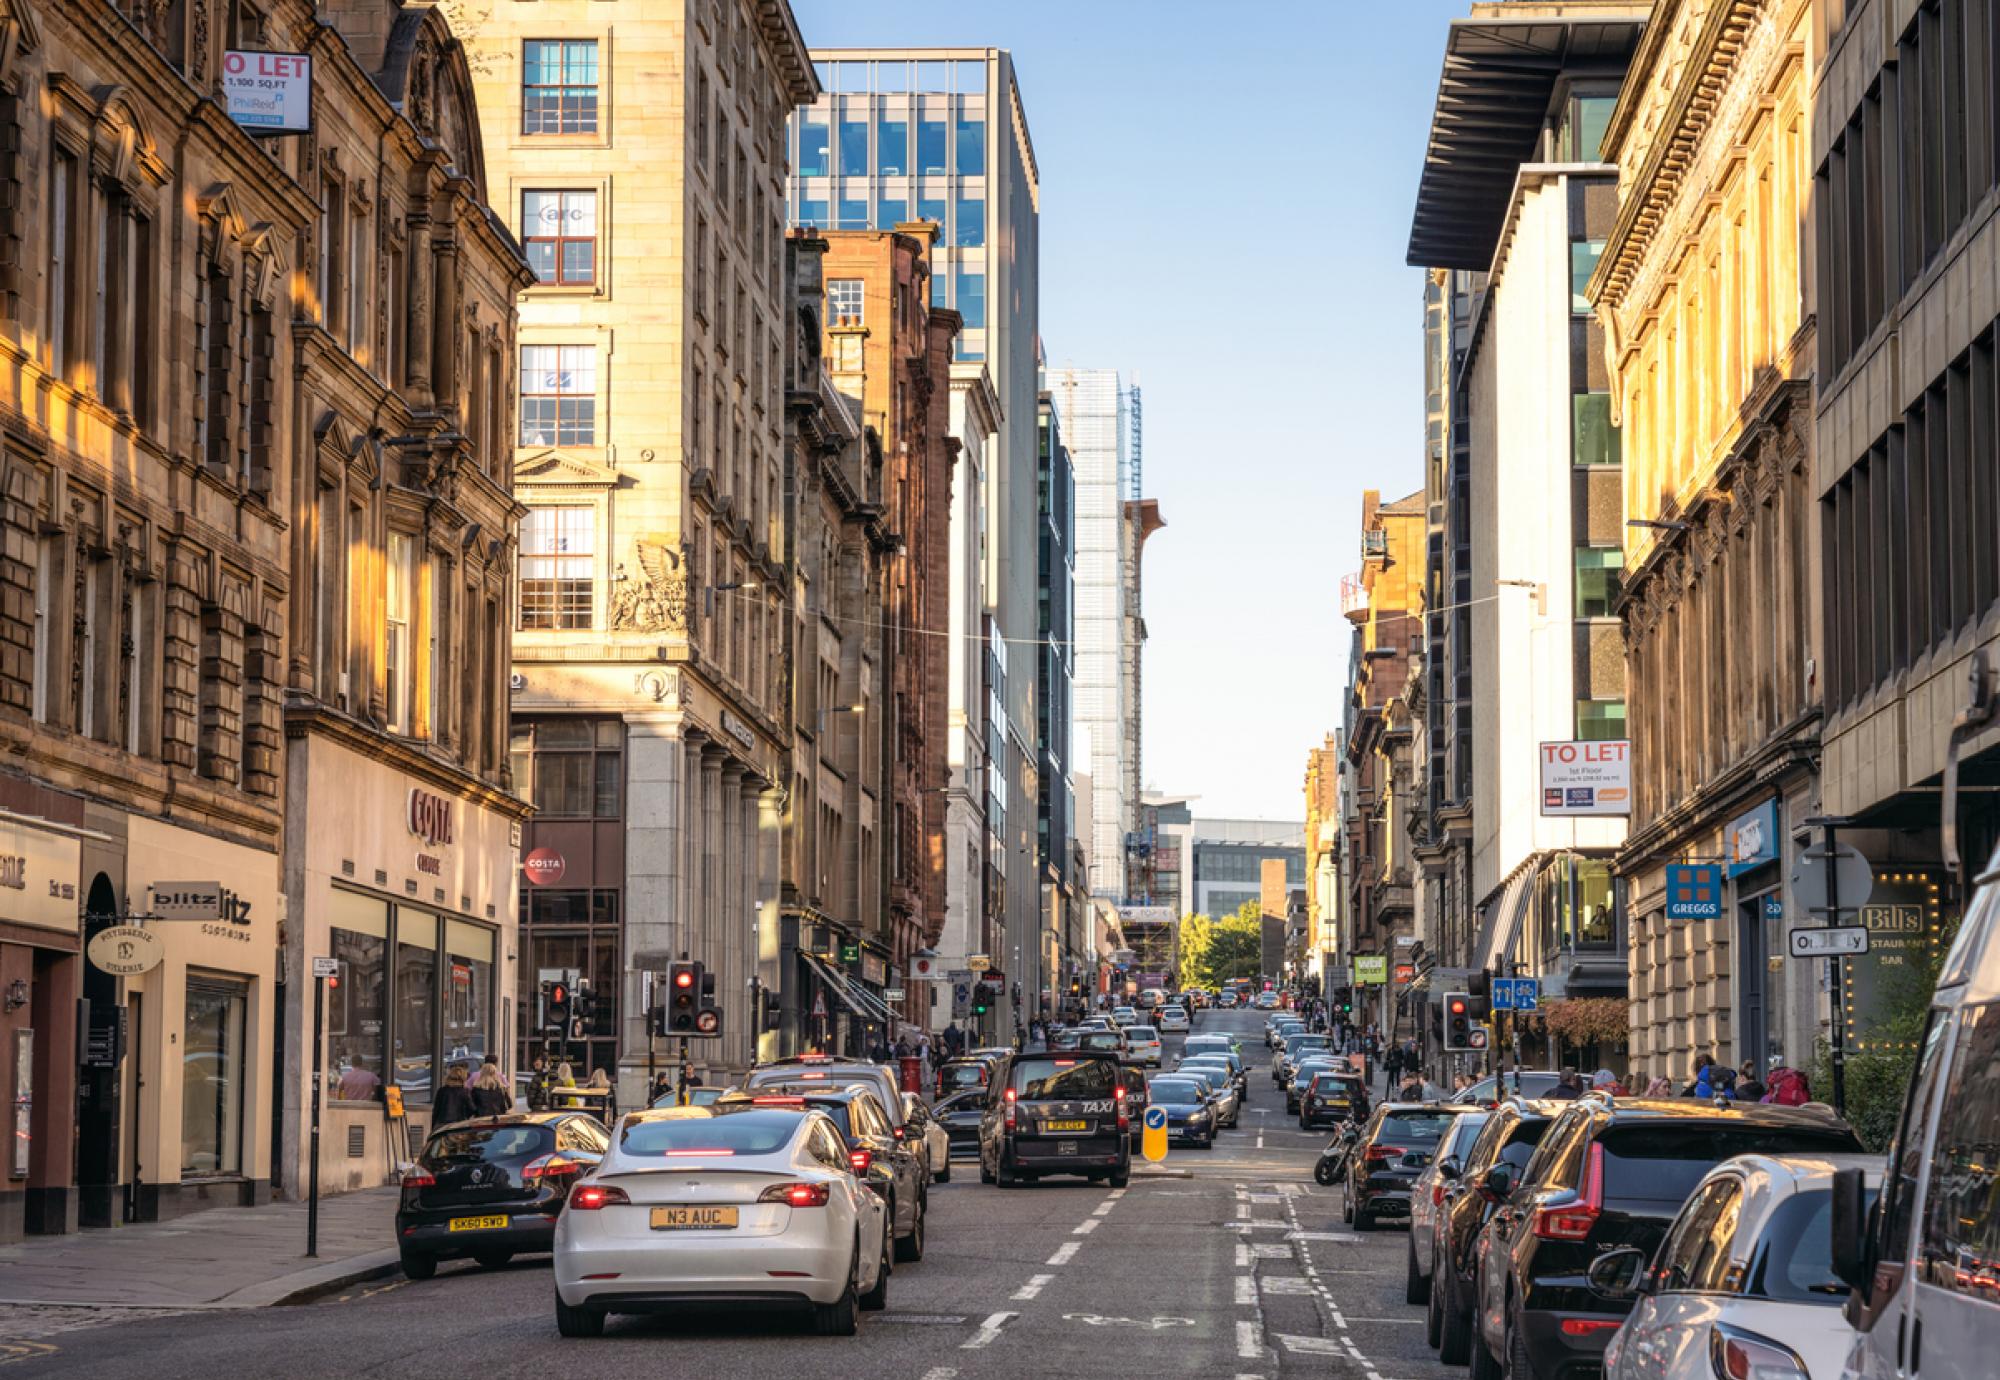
(1410, 1322)
(1287, 1284)
(1260, 1139)
(988, 1330)
(1065, 1253)
(1243, 1256)
(1321, 1236)
(1085, 1227)
(1243, 1209)
(1248, 1347)
(1115, 1194)
(1101, 1209)
(1311, 1346)
(940, 1373)
(1032, 1287)
(1246, 1288)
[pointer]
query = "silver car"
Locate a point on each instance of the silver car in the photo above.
(1427, 1195)
(1228, 1106)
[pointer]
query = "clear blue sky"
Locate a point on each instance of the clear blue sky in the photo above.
(1226, 196)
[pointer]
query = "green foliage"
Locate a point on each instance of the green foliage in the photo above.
(1214, 951)
(1878, 1074)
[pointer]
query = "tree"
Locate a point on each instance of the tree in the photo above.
(1197, 933)
(1215, 951)
(1878, 1069)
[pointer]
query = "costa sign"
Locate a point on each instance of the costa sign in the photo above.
(544, 866)
(429, 817)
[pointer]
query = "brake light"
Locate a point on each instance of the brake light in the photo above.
(895, 1133)
(777, 1102)
(1010, 1109)
(419, 1178)
(1124, 1115)
(1572, 1220)
(1586, 1327)
(698, 1154)
(1437, 1195)
(591, 1197)
(549, 1167)
(812, 1075)
(861, 1159)
(796, 1195)
(1383, 1152)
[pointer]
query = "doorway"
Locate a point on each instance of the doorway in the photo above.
(99, 1201)
(1760, 938)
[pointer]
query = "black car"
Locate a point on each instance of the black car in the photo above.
(1394, 1148)
(892, 1165)
(960, 1115)
(1507, 1141)
(1332, 1096)
(1301, 1075)
(1057, 1112)
(1608, 1174)
(491, 1188)
(964, 1075)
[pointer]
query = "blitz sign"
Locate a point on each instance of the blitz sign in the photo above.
(269, 93)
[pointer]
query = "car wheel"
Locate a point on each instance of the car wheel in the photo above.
(578, 1322)
(1364, 1220)
(1121, 1177)
(1454, 1326)
(911, 1247)
(1520, 1364)
(1484, 1366)
(1434, 1311)
(1416, 1289)
(1347, 1206)
(419, 1266)
(876, 1299)
(942, 1175)
(493, 1260)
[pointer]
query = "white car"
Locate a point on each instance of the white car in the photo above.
(1172, 1021)
(722, 1204)
(1122, 1016)
(1743, 1282)
(1144, 1043)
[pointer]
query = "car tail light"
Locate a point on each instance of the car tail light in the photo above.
(895, 1132)
(796, 1195)
(549, 1167)
(591, 1197)
(419, 1178)
(1010, 1108)
(776, 1101)
(861, 1159)
(1589, 1327)
(1437, 1195)
(1124, 1112)
(1573, 1219)
(1734, 1354)
(1383, 1152)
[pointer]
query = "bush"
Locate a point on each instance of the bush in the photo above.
(1879, 1075)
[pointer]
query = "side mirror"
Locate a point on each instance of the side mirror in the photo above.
(1849, 1227)
(1449, 1167)
(1499, 1182)
(1617, 1274)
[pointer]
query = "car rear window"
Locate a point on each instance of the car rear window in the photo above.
(488, 1144)
(1099, 1039)
(1175, 1090)
(694, 1130)
(1064, 1079)
(1661, 1163)
(1143, 1032)
(1422, 1127)
(1794, 1258)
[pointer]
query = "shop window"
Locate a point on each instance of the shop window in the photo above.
(212, 1070)
(359, 940)
(468, 995)
(415, 1033)
(573, 768)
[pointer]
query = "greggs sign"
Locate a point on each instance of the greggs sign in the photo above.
(429, 817)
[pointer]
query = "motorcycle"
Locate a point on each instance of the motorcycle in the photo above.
(1333, 1161)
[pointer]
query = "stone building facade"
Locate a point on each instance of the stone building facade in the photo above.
(1707, 307)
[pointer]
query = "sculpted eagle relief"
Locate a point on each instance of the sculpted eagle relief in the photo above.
(658, 600)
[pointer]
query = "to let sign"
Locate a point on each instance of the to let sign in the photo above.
(269, 93)
(1587, 778)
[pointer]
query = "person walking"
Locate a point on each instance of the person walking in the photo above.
(1393, 1064)
(489, 1093)
(453, 1101)
(1749, 1087)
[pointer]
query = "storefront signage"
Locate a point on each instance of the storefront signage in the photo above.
(429, 817)
(1751, 839)
(1694, 891)
(126, 950)
(978, 963)
(1371, 969)
(187, 900)
(1406, 973)
(893, 994)
(38, 877)
(850, 953)
(269, 93)
(874, 970)
(1587, 778)
(544, 867)
(738, 730)
(1829, 943)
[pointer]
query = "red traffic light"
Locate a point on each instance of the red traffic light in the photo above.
(558, 994)
(1457, 1006)
(684, 977)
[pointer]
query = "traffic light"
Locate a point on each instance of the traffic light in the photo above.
(1462, 1032)
(555, 1003)
(684, 981)
(708, 1017)
(980, 1000)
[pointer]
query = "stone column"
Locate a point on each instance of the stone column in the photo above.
(726, 954)
(712, 872)
(655, 877)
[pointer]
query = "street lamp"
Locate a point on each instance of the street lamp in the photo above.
(1658, 524)
(708, 594)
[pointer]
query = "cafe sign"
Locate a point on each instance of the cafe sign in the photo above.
(429, 817)
(126, 951)
(38, 877)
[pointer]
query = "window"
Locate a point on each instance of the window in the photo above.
(1581, 138)
(1962, 1215)
(558, 395)
(1698, 1250)
(853, 212)
(971, 138)
(969, 222)
(1600, 720)
(892, 145)
(48, 571)
(931, 208)
(1593, 439)
(559, 86)
(559, 232)
(574, 934)
(814, 160)
(415, 1036)
(358, 940)
(570, 768)
(891, 211)
(558, 559)
(1599, 576)
(930, 145)
(812, 212)
(212, 1078)
(468, 994)
(854, 145)
(357, 284)
(62, 189)
(843, 300)
(1583, 257)
(972, 299)
(400, 579)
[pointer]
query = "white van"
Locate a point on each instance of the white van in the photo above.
(1924, 1264)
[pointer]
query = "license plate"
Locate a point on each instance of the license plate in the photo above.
(693, 1218)
(1065, 1147)
(1065, 1126)
(477, 1223)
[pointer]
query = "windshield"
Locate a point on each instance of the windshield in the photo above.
(1414, 1127)
(1099, 1039)
(1176, 1090)
(1143, 1032)
(491, 1144)
(1063, 1079)
(1794, 1258)
(1295, 1043)
(708, 1130)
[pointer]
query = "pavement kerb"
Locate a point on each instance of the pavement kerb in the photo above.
(1163, 1173)
(303, 1286)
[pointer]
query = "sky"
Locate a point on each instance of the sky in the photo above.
(1226, 198)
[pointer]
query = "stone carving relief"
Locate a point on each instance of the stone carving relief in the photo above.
(658, 600)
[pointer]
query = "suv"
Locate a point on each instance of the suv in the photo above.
(492, 1188)
(1281, 1067)
(1144, 1043)
(1507, 1141)
(1394, 1148)
(1334, 1095)
(1057, 1113)
(1608, 1174)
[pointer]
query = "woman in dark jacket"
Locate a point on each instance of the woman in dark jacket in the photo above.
(454, 1100)
(489, 1093)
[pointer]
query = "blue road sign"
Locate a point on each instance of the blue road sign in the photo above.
(1156, 1118)
(1503, 994)
(1516, 994)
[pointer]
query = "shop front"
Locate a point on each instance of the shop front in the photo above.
(407, 881)
(39, 972)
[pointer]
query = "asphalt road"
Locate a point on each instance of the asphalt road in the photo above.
(1235, 1264)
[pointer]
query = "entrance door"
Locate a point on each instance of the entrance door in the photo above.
(99, 1202)
(212, 1078)
(1760, 965)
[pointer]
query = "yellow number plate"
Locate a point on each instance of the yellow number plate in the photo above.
(693, 1218)
(1065, 1125)
(477, 1223)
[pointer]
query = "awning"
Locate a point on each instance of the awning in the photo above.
(852, 995)
(1503, 921)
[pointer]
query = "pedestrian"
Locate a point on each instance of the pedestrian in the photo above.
(1722, 1078)
(1704, 1085)
(1661, 1086)
(538, 1086)
(1605, 1081)
(607, 1105)
(489, 1093)
(1701, 1063)
(1460, 1082)
(453, 1102)
(563, 1077)
(663, 1084)
(1568, 1088)
(903, 1048)
(1393, 1062)
(1749, 1087)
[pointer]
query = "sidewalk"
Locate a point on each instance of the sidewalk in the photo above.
(220, 1258)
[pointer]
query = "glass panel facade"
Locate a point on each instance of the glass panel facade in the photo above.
(930, 144)
(357, 1011)
(1599, 576)
(1583, 257)
(814, 160)
(812, 211)
(1581, 139)
(212, 1077)
(1593, 439)
(468, 995)
(971, 139)
(969, 222)
(892, 145)
(416, 1002)
(972, 299)
(1597, 720)
(930, 208)
(853, 213)
(853, 146)
(891, 211)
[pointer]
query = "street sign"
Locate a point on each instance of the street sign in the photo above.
(819, 1006)
(1851, 873)
(326, 967)
(1153, 1143)
(1516, 994)
(187, 900)
(1694, 891)
(893, 994)
(1829, 943)
(979, 963)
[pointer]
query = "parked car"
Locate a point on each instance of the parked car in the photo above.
(922, 1129)
(1190, 1108)
(1278, 1027)
(697, 1097)
(960, 1115)
(1302, 1076)
(1144, 1043)
(1173, 1021)
(1057, 1113)
(1427, 1196)
(1395, 1147)
(1609, 1173)
(491, 1188)
(761, 1206)
(1490, 1090)
(1743, 1284)
(893, 1167)
(804, 1073)
(1507, 1141)
(1924, 1263)
(1332, 1095)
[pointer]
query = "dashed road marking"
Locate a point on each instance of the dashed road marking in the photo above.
(1101, 1209)
(1065, 1253)
(1246, 1288)
(1311, 1346)
(1248, 1345)
(1085, 1227)
(988, 1331)
(1032, 1287)
(940, 1373)
(1288, 1284)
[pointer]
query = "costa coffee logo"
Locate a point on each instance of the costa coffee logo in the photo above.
(429, 817)
(545, 866)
